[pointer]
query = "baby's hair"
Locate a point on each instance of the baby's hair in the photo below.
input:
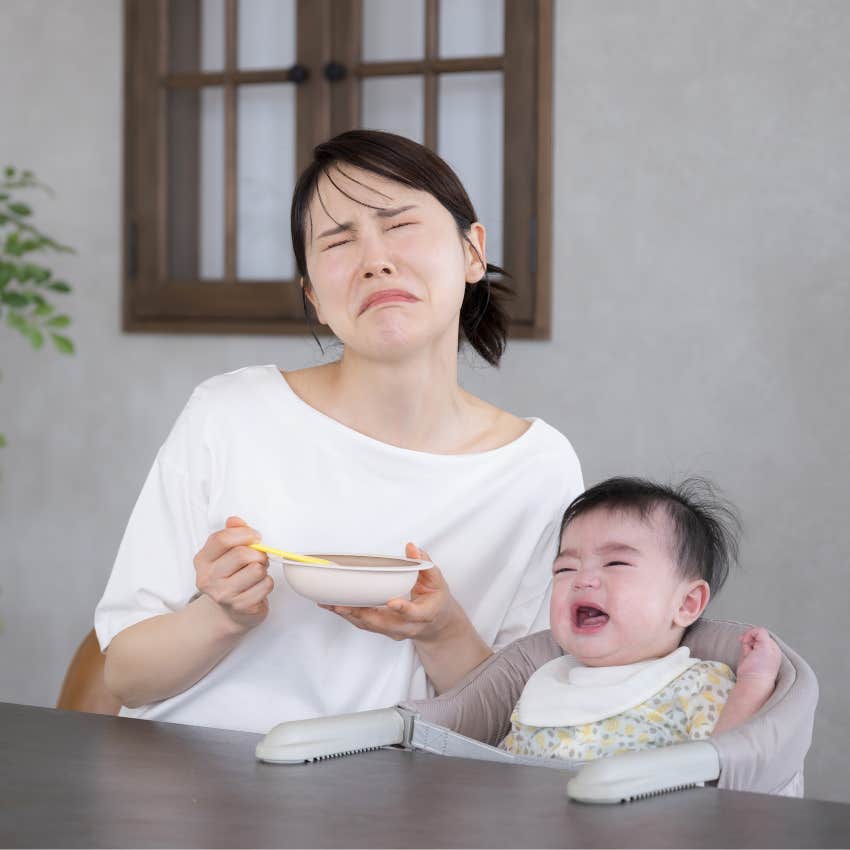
(705, 526)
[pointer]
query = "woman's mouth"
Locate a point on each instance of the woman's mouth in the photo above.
(588, 618)
(385, 296)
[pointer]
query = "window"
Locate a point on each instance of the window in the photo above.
(225, 99)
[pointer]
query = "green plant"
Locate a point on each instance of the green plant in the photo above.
(26, 287)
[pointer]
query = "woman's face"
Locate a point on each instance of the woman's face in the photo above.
(388, 278)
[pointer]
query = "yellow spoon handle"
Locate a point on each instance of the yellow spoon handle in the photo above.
(290, 556)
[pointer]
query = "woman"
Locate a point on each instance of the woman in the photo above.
(381, 447)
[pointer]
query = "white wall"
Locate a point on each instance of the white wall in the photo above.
(701, 267)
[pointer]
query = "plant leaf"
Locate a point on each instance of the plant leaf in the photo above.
(2, 441)
(18, 322)
(20, 209)
(15, 300)
(61, 321)
(59, 286)
(12, 245)
(63, 344)
(36, 337)
(42, 306)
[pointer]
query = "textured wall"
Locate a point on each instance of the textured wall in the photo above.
(702, 256)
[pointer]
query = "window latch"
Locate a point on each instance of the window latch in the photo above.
(298, 74)
(334, 72)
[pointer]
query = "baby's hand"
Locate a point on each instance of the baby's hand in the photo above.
(755, 679)
(760, 656)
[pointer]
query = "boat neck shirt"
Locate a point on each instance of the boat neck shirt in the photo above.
(247, 445)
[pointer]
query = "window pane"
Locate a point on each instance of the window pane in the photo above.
(266, 34)
(393, 29)
(183, 27)
(470, 140)
(212, 35)
(472, 28)
(195, 35)
(212, 184)
(395, 104)
(266, 180)
(182, 184)
(195, 183)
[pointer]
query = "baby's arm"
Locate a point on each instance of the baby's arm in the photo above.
(756, 679)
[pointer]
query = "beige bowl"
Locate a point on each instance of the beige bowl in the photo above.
(356, 580)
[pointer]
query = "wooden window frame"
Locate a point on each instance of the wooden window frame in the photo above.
(328, 31)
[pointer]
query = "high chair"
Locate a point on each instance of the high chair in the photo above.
(764, 754)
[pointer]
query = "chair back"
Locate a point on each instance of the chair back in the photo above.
(84, 688)
(766, 753)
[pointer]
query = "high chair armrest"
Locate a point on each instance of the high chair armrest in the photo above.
(298, 741)
(626, 777)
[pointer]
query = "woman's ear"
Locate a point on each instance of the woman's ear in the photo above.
(475, 253)
(310, 295)
(693, 601)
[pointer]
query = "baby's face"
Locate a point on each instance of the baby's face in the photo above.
(617, 594)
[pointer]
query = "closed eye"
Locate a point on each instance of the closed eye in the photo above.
(335, 244)
(564, 570)
(617, 564)
(346, 241)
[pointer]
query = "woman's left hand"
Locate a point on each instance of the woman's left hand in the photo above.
(429, 612)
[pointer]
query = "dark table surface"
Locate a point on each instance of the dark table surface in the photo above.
(82, 780)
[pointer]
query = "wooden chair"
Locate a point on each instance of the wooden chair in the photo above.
(83, 688)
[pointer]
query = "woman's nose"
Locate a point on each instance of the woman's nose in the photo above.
(375, 261)
(377, 269)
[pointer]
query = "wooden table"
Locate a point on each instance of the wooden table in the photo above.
(84, 780)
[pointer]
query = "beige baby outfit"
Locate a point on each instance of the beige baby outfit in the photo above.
(571, 711)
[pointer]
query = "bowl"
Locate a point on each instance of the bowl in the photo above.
(359, 581)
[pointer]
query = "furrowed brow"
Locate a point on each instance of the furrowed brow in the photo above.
(602, 550)
(389, 213)
(617, 547)
(348, 226)
(345, 227)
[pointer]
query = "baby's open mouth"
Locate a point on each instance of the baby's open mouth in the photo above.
(589, 617)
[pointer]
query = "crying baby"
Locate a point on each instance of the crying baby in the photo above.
(638, 563)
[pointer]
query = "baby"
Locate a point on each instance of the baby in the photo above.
(637, 566)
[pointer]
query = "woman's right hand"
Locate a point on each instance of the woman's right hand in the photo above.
(235, 576)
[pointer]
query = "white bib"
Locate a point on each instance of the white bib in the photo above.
(564, 692)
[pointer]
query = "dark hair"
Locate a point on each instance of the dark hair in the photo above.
(483, 319)
(706, 528)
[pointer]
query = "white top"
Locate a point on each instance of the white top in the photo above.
(564, 692)
(246, 444)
